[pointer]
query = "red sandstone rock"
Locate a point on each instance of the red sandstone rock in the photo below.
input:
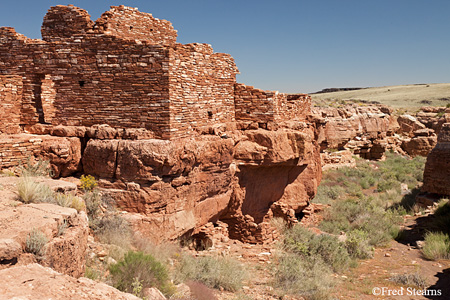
(182, 185)
(436, 176)
(65, 253)
(365, 131)
(37, 282)
(409, 124)
(421, 144)
(64, 154)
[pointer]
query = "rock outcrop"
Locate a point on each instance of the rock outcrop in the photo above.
(65, 230)
(34, 281)
(367, 131)
(182, 185)
(436, 176)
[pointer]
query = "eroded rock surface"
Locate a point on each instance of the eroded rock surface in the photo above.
(182, 185)
(437, 168)
(64, 251)
(34, 281)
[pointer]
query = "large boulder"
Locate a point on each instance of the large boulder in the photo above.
(436, 176)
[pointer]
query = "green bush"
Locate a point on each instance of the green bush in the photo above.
(142, 268)
(301, 241)
(215, 272)
(88, 183)
(35, 242)
(325, 193)
(310, 278)
(357, 244)
(441, 217)
(437, 246)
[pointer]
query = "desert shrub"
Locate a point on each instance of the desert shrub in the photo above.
(31, 191)
(413, 279)
(142, 268)
(441, 217)
(63, 199)
(310, 278)
(328, 248)
(69, 200)
(88, 182)
(35, 242)
(113, 229)
(77, 203)
(357, 244)
(215, 272)
(62, 227)
(34, 169)
(92, 200)
(164, 252)
(437, 246)
(91, 273)
(325, 193)
(380, 225)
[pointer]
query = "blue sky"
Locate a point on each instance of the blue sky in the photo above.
(296, 45)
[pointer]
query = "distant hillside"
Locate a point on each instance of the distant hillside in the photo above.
(332, 90)
(400, 96)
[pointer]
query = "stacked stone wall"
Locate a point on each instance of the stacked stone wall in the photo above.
(201, 88)
(129, 23)
(90, 81)
(10, 102)
(266, 107)
(292, 106)
(65, 22)
(127, 71)
(252, 104)
(16, 149)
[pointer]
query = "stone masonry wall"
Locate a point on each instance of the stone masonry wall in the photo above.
(16, 150)
(129, 23)
(201, 88)
(253, 104)
(267, 106)
(127, 71)
(64, 22)
(16, 58)
(90, 81)
(10, 100)
(292, 106)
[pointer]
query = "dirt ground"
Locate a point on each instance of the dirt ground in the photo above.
(369, 280)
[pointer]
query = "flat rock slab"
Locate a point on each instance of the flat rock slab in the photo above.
(37, 282)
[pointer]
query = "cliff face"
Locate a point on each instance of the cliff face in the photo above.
(179, 186)
(437, 168)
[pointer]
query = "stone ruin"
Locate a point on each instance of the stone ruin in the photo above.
(127, 70)
(165, 128)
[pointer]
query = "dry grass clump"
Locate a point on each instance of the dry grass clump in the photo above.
(437, 246)
(113, 229)
(31, 191)
(215, 272)
(413, 279)
(34, 168)
(35, 242)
